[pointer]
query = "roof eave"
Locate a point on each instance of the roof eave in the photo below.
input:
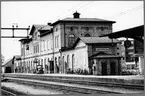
(81, 21)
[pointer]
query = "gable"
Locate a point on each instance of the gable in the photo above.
(80, 44)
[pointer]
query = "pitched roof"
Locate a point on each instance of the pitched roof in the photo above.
(17, 57)
(6, 62)
(47, 27)
(91, 40)
(36, 26)
(83, 20)
(45, 30)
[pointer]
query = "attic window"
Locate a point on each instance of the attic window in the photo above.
(102, 28)
(87, 28)
(56, 29)
(87, 35)
(71, 28)
(71, 35)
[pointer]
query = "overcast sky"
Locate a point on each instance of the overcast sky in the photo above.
(127, 14)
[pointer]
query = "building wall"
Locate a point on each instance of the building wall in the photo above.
(93, 48)
(80, 30)
(80, 57)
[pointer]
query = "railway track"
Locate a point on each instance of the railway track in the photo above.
(7, 93)
(92, 83)
(54, 85)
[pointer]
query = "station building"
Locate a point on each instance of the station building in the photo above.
(71, 44)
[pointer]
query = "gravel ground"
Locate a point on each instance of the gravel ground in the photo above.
(29, 89)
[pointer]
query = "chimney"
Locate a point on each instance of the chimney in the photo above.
(76, 15)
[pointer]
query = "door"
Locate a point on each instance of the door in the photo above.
(104, 68)
(112, 67)
(8, 70)
(51, 67)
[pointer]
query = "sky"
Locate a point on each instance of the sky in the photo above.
(127, 14)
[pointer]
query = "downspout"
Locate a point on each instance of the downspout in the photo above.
(64, 36)
(53, 49)
(64, 47)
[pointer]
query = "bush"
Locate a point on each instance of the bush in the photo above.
(69, 71)
(78, 71)
(130, 72)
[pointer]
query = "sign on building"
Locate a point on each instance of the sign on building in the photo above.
(102, 49)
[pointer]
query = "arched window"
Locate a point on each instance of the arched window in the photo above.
(56, 60)
(59, 61)
(45, 61)
(31, 65)
(63, 64)
(87, 35)
(68, 61)
(73, 61)
(41, 61)
(71, 39)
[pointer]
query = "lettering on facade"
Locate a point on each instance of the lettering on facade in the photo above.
(102, 49)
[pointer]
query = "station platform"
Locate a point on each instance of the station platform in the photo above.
(127, 80)
(120, 84)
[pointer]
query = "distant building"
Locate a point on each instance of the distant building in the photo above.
(2, 59)
(134, 49)
(71, 44)
(8, 66)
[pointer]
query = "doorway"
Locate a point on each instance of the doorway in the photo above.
(112, 67)
(51, 66)
(104, 68)
(8, 70)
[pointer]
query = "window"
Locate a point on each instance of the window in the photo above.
(102, 28)
(71, 39)
(48, 44)
(56, 42)
(38, 48)
(87, 35)
(43, 45)
(73, 61)
(68, 61)
(41, 61)
(71, 28)
(52, 43)
(87, 28)
(44, 62)
(34, 49)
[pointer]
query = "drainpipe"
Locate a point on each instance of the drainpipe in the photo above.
(64, 36)
(53, 49)
(64, 47)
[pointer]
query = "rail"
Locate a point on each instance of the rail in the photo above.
(7, 93)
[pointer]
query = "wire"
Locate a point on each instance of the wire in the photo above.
(59, 16)
(127, 11)
(74, 9)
